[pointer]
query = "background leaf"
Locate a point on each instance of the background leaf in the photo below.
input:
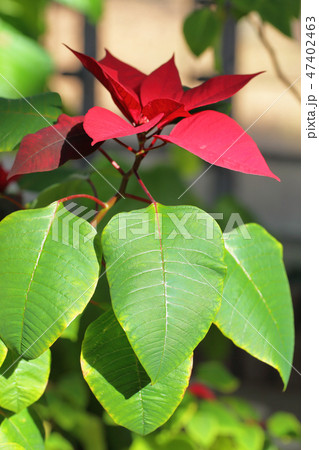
(284, 425)
(25, 15)
(201, 30)
(216, 376)
(165, 292)
(23, 382)
(37, 307)
(120, 383)
(256, 311)
(18, 118)
(91, 8)
(23, 62)
(24, 429)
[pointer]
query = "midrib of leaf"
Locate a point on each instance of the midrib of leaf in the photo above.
(34, 270)
(241, 266)
(165, 289)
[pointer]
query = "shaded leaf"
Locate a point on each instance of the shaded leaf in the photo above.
(165, 280)
(256, 311)
(49, 277)
(23, 382)
(120, 383)
(53, 146)
(201, 29)
(18, 117)
(24, 429)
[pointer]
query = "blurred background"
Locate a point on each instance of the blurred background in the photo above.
(208, 38)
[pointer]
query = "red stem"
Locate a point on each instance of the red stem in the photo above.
(70, 197)
(131, 149)
(114, 163)
(136, 197)
(144, 187)
(12, 200)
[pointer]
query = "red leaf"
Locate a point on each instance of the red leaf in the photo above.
(164, 82)
(101, 124)
(201, 391)
(219, 140)
(127, 75)
(215, 90)
(169, 108)
(52, 146)
(123, 96)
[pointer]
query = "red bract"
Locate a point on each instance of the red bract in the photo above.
(202, 391)
(52, 146)
(148, 101)
(212, 136)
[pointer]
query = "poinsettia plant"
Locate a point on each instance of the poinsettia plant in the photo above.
(171, 271)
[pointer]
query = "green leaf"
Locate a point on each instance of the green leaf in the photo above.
(91, 8)
(279, 14)
(3, 352)
(203, 428)
(216, 375)
(250, 437)
(24, 429)
(201, 30)
(73, 185)
(18, 118)
(165, 280)
(120, 383)
(23, 382)
(284, 426)
(28, 16)
(48, 273)
(256, 311)
(11, 446)
(243, 410)
(56, 441)
(24, 64)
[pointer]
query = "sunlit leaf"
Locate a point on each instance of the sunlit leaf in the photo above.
(256, 311)
(23, 382)
(165, 270)
(49, 269)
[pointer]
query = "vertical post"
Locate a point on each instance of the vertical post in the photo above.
(224, 180)
(88, 80)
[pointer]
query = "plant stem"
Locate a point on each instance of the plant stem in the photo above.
(136, 197)
(275, 62)
(144, 187)
(114, 163)
(12, 200)
(95, 199)
(131, 149)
